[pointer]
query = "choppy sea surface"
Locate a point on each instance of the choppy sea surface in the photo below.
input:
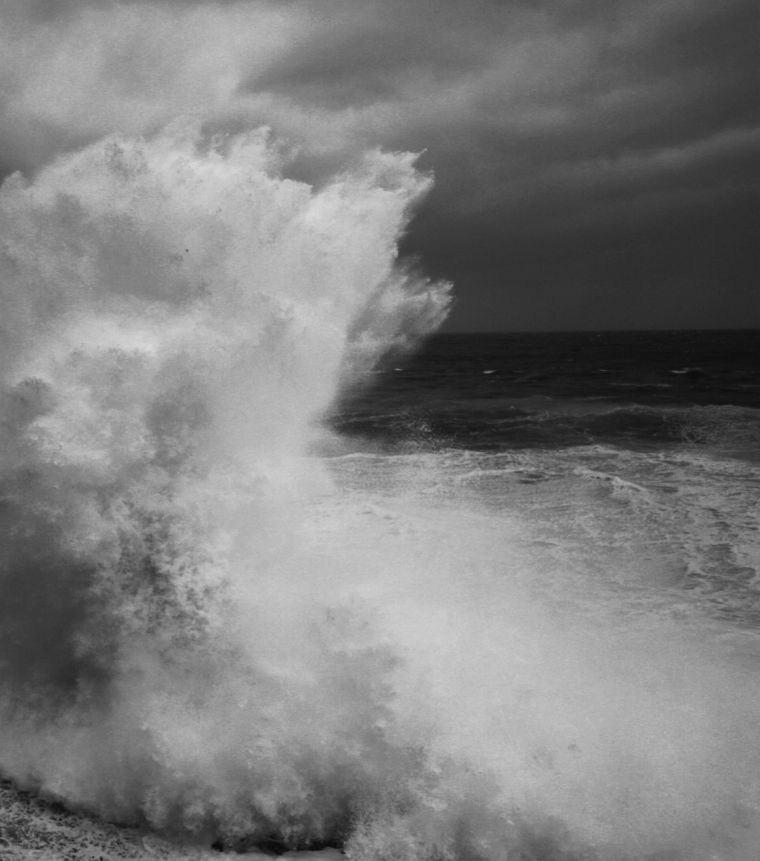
(618, 474)
(612, 446)
(271, 582)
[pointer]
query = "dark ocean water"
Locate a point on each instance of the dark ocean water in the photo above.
(502, 392)
(648, 441)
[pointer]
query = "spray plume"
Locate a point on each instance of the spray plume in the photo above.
(176, 315)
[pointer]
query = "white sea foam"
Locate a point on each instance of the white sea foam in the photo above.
(207, 629)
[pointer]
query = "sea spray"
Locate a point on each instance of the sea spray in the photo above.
(175, 316)
(210, 630)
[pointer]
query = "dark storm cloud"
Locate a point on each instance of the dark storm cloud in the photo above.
(621, 189)
(381, 60)
(510, 98)
(568, 138)
(374, 52)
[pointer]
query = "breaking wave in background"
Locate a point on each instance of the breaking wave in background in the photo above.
(217, 623)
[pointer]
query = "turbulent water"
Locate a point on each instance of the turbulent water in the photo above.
(262, 587)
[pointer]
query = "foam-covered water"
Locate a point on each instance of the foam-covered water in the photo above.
(223, 623)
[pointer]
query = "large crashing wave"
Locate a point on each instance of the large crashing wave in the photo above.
(175, 316)
(207, 629)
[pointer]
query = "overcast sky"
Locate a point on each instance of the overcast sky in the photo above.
(596, 161)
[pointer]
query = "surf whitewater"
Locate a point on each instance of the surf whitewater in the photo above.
(215, 627)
